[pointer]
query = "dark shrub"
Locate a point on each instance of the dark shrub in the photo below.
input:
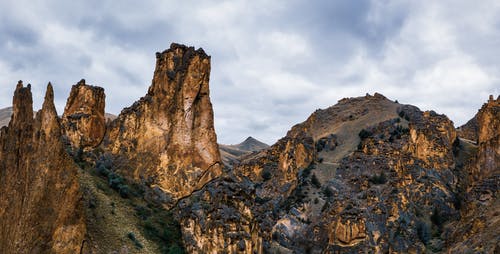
(124, 191)
(364, 134)
(132, 237)
(266, 175)
(102, 170)
(423, 232)
(379, 179)
(328, 192)
(307, 171)
(315, 182)
(436, 218)
(360, 146)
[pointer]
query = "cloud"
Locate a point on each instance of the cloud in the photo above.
(273, 63)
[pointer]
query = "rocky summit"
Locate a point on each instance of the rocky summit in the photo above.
(366, 175)
(170, 131)
(83, 119)
(40, 208)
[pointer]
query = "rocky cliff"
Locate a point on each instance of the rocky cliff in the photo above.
(40, 208)
(167, 138)
(488, 157)
(367, 174)
(83, 120)
(477, 230)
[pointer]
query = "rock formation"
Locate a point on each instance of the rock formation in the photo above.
(477, 230)
(168, 137)
(40, 199)
(488, 157)
(367, 174)
(83, 119)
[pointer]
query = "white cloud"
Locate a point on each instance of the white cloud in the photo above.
(273, 63)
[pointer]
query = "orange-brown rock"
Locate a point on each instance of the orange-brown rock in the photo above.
(168, 136)
(431, 139)
(83, 120)
(488, 157)
(477, 230)
(39, 192)
(346, 232)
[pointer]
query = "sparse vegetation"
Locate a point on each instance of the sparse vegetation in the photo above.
(379, 179)
(404, 115)
(307, 171)
(364, 134)
(328, 192)
(437, 218)
(266, 175)
(423, 232)
(132, 237)
(315, 182)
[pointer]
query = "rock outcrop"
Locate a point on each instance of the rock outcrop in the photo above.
(488, 157)
(39, 192)
(167, 138)
(431, 137)
(477, 230)
(84, 120)
(220, 218)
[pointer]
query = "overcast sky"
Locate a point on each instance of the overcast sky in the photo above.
(273, 62)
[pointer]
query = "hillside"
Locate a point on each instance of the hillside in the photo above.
(367, 174)
(5, 115)
(232, 154)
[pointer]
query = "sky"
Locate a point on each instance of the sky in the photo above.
(273, 62)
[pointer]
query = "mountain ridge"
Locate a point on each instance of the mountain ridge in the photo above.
(367, 174)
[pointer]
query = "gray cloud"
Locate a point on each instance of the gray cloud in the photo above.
(273, 62)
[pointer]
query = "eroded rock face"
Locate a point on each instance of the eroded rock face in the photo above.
(431, 139)
(477, 230)
(167, 138)
(488, 157)
(83, 120)
(39, 193)
(219, 218)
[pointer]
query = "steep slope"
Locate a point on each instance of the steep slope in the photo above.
(170, 132)
(83, 119)
(40, 208)
(367, 174)
(477, 231)
(5, 115)
(469, 130)
(231, 154)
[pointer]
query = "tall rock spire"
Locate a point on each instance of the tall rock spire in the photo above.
(168, 136)
(83, 119)
(39, 192)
